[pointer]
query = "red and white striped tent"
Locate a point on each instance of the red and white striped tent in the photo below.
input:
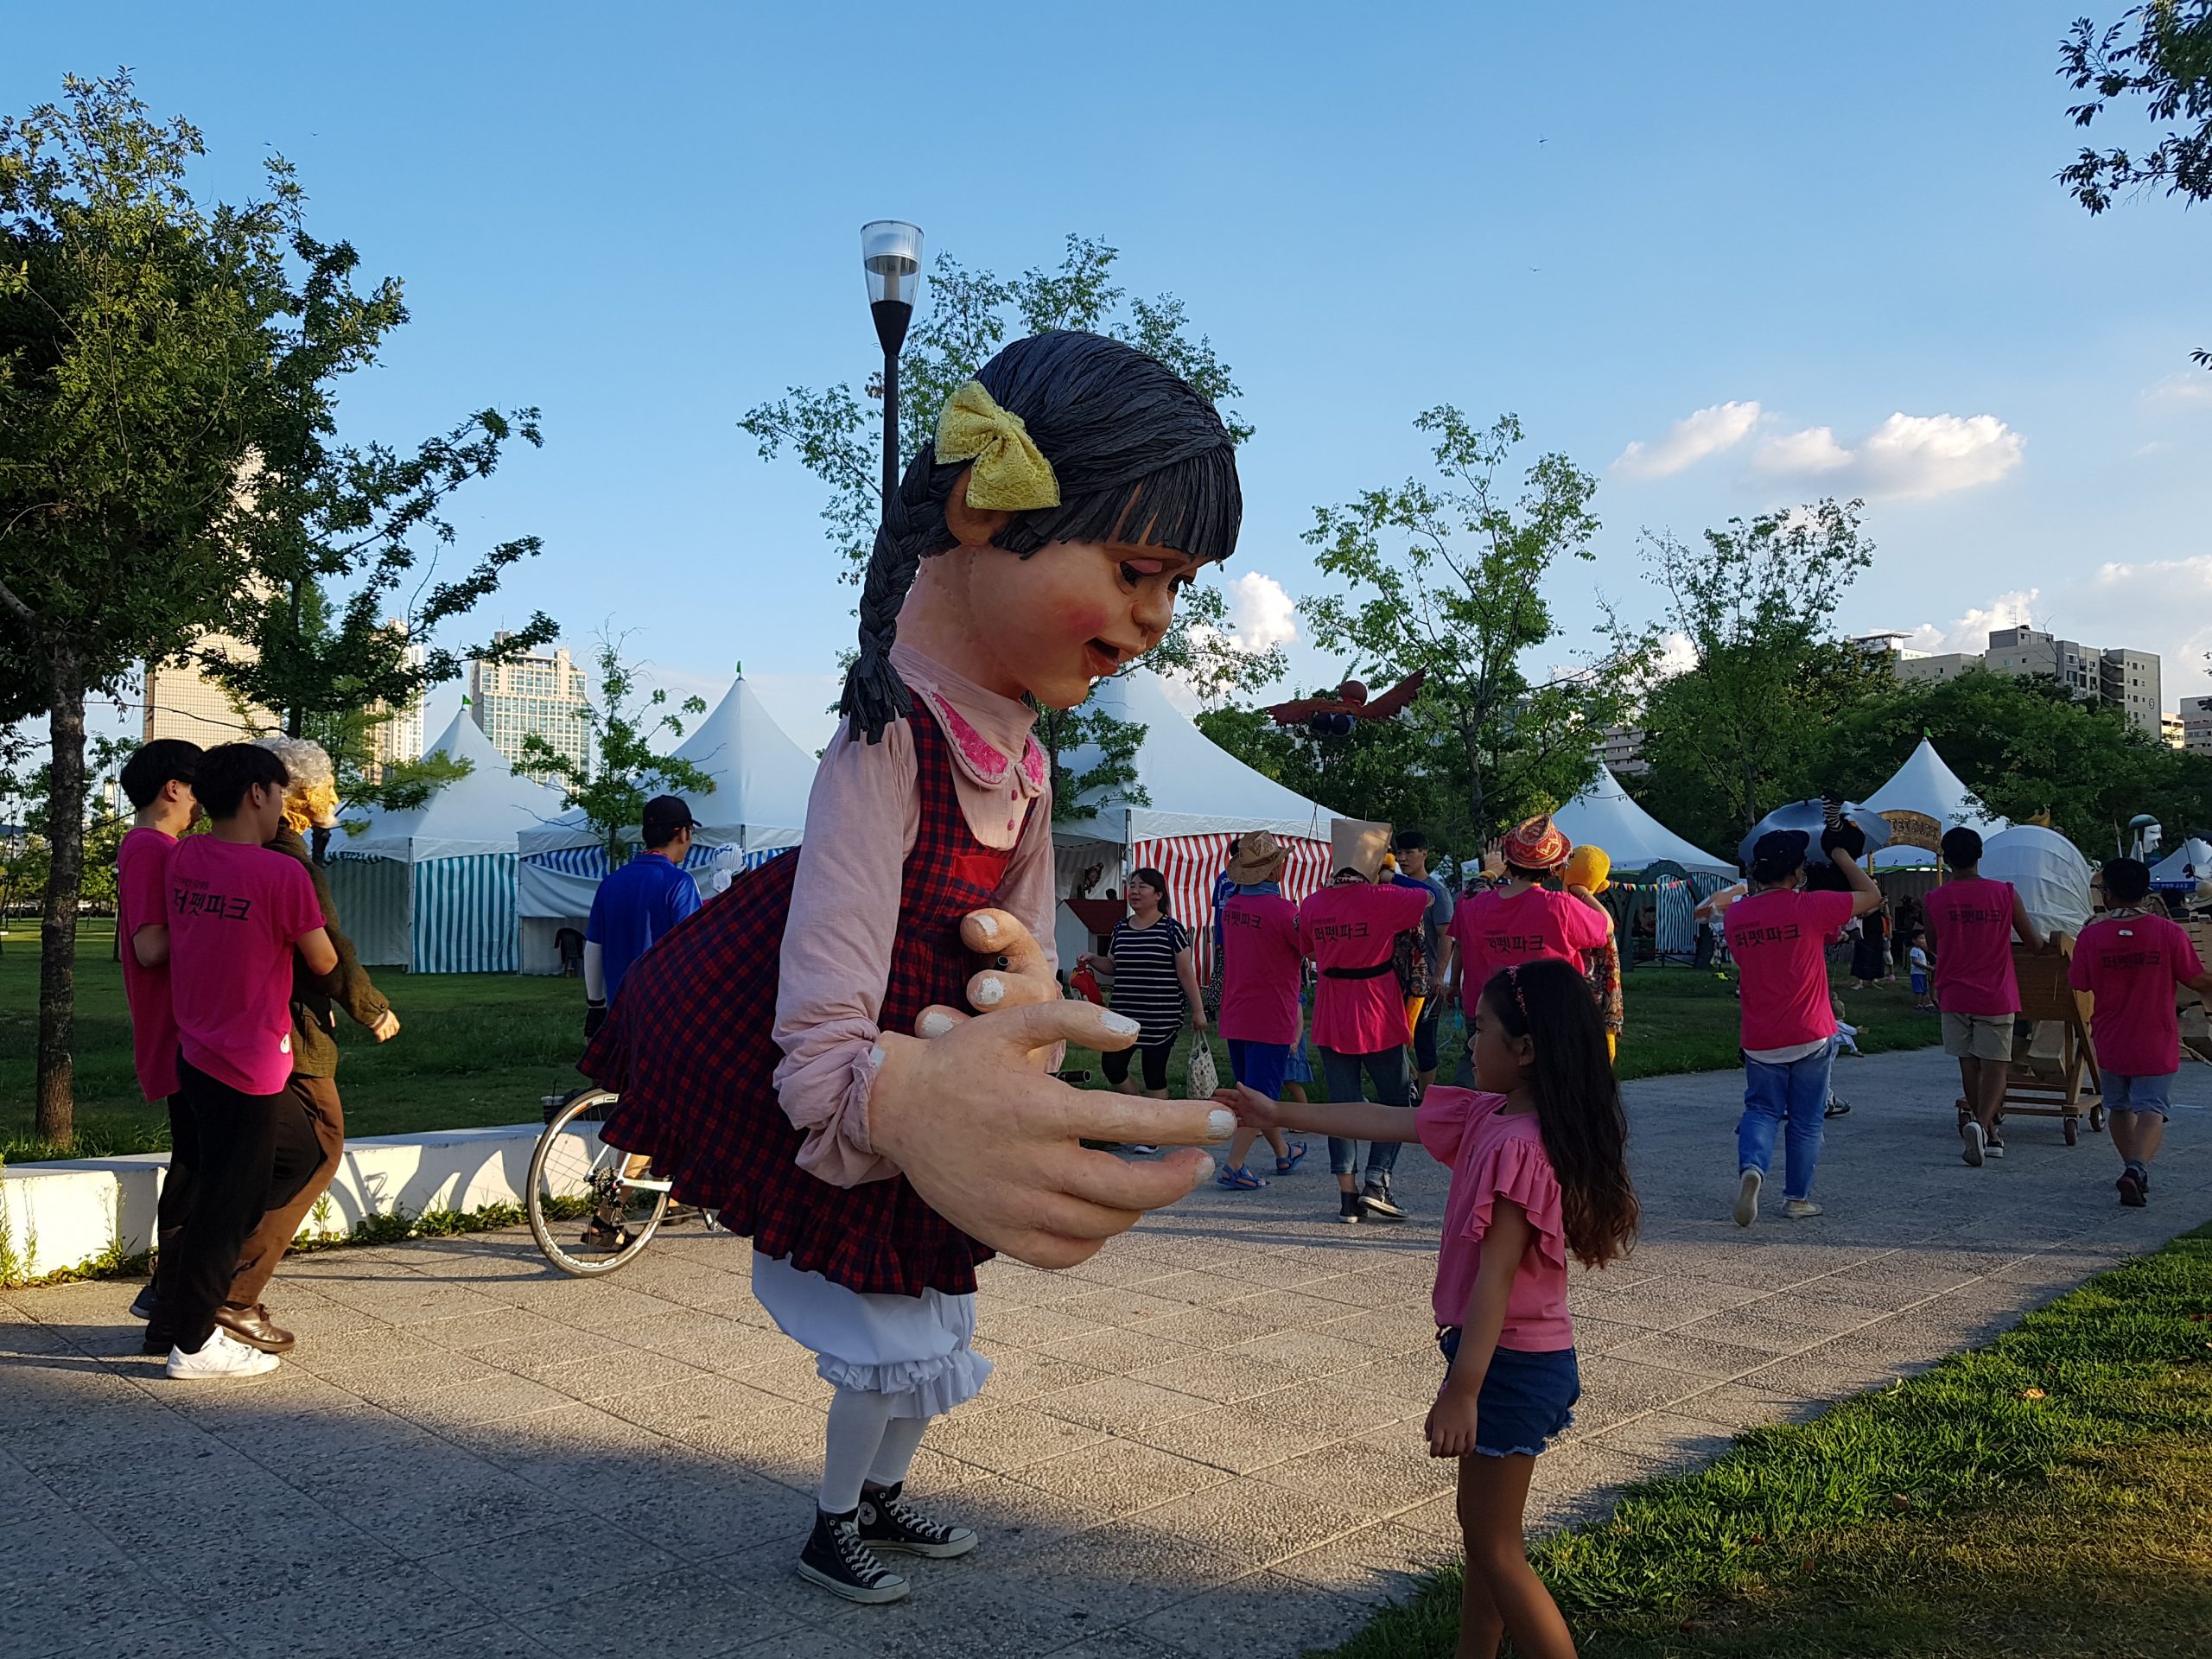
(1198, 798)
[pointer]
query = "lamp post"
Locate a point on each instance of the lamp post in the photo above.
(891, 252)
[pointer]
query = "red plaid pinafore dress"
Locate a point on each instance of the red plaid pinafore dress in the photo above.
(691, 1049)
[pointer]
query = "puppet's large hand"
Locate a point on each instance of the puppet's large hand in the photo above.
(996, 1148)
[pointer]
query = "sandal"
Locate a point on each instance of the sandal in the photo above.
(1284, 1165)
(1243, 1179)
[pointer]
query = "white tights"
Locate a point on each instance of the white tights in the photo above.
(866, 1443)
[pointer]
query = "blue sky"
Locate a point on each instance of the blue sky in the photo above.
(1606, 217)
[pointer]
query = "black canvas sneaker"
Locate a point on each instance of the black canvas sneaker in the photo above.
(1376, 1198)
(887, 1521)
(835, 1558)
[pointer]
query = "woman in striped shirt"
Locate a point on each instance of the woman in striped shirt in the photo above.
(1153, 978)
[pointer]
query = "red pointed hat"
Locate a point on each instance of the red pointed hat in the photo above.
(1537, 843)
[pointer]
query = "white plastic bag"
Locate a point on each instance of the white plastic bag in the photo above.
(1203, 1079)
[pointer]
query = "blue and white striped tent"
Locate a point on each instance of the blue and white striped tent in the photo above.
(757, 808)
(433, 889)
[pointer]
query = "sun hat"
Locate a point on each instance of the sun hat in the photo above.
(1260, 857)
(1537, 843)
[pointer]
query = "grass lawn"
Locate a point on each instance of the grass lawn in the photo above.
(2049, 1495)
(482, 1048)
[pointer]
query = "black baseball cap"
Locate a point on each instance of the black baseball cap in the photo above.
(664, 816)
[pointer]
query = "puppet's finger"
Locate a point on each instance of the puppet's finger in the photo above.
(1138, 1120)
(1115, 1183)
(938, 1020)
(1018, 975)
(1061, 1020)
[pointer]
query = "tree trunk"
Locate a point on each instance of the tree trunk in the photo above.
(1477, 808)
(57, 967)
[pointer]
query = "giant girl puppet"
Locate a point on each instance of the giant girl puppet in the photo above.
(762, 1051)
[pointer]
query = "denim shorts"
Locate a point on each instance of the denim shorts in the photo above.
(1527, 1398)
(2126, 1094)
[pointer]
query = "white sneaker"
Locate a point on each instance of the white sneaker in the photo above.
(1747, 1198)
(1970, 1132)
(221, 1358)
(1798, 1209)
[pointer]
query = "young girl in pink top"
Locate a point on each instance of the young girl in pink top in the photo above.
(1538, 1173)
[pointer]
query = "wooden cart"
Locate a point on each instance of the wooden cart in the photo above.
(2054, 1069)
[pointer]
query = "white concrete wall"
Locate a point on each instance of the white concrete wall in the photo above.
(62, 1215)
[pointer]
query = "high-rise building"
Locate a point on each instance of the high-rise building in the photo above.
(541, 692)
(182, 701)
(398, 739)
(1621, 748)
(2172, 729)
(2124, 679)
(2197, 725)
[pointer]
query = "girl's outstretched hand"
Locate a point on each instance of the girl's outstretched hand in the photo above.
(996, 1146)
(1254, 1109)
(1452, 1425)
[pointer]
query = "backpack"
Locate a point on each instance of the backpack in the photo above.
(1409, 961)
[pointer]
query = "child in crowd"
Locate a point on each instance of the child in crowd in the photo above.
(1538, 1173)
(2130, 958)
(1917, 957)
(237, 911)
(158, 782)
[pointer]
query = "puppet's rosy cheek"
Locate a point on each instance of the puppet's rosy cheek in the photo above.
(1085, 622)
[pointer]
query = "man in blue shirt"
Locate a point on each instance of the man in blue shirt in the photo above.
(636, 905)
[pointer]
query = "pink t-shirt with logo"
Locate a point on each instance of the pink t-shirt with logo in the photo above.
(1356, 927)
(1260, 968)
(141, 900)
(1780, 939)
(1971, 923)
(1494, 1154)
(2132, 964)
(1497, 931)
(234, 914)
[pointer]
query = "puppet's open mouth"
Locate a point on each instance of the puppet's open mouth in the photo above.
(1104, 658)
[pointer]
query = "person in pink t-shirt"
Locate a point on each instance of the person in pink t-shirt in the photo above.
(1538, 1173)
(1351, 930)
(1779, 936)
(1520, 919)
(2130, 959)
(1262, 965)
(1973, 921)
(238, 912)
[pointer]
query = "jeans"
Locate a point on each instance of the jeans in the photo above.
(1394, 1086)
(1797, 1094)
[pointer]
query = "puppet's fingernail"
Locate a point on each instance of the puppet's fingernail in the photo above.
(990, 990)
(987, 926)
(1204, 1172)
(876, 1058)
(1220, 1125)
(936, 1023)
(1120, 1024)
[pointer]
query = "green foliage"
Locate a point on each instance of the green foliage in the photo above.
(1410, 772)
(627, 769)
(1108, 745)
(1445, 579)
(2026, 747)
(1736, 734)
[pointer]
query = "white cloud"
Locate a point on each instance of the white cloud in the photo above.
(1688, 441)
(1261, 611)
(2157, 605)
(1972, 631)
(2184, 389)
(1810, 452)
(1907, 455)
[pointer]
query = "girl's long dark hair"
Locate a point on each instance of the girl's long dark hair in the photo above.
(1157, 883)
(1141, 456)
(1578, 1102)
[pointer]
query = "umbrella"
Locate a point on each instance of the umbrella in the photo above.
(1812, 818)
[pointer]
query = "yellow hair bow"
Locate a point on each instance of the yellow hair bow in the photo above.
(1011, 473)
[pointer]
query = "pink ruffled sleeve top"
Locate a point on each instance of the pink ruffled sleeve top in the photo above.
(1496, 1155)
(861, 820)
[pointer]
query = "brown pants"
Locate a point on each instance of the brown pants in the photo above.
(265, 1247)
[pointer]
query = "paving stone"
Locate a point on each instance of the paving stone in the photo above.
(1120, 1404)
(1248, 1617)
(1116, 1478)
(1005, 1438)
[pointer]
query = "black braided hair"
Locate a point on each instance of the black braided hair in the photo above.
(1141, 457)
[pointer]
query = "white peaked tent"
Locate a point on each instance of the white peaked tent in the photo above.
(1603, 816)
(1199, 797)
(433, 887)
(2187, 869)
(1923, 798)
(758, 807)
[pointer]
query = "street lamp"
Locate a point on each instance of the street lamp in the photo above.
(891, 252)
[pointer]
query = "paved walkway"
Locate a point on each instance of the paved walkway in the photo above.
(1204, 1442)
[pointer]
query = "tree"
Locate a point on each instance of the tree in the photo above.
(148, 345)
(1446, 578)
(1733, 736)
(2024, 747)
(969, 314)
(2166, 62)
(625, 769)
(1410, 772)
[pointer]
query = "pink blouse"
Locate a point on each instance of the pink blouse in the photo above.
(862, 819)
(1496, 1155)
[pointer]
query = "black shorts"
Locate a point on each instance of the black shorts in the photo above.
(1116, 1063)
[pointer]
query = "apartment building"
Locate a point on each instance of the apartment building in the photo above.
(2125, 679)
(2197, 725)
(540, 692)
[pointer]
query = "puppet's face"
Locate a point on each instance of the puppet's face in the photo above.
(314, 806)
(1071, 613)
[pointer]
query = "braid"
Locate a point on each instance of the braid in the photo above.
(913, 527)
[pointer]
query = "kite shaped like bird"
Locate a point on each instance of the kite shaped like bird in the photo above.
(1333, 716)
